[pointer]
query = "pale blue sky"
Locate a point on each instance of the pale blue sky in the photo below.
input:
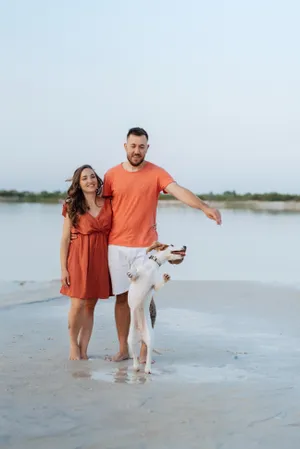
(215, 83)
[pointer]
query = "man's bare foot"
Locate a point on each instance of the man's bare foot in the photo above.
(74, 352)
(84, 356)
(119, 357)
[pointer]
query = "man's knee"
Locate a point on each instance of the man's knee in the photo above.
(122, 298)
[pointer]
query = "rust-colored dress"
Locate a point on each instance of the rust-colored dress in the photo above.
(88, 256)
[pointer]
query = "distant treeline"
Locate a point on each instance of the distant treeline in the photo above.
(233, 196)
(54, 197)
(31, 197)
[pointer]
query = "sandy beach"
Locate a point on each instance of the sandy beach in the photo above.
(227, 376)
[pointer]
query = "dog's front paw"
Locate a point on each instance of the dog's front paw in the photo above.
(166, 277)
(132, 275)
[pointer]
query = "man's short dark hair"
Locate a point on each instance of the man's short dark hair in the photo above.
(137, 132)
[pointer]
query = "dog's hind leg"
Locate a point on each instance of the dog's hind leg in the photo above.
(133, 340)
(148, 340)
(149, 356)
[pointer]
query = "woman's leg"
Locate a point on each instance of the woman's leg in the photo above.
(75, 323)
(87, 326)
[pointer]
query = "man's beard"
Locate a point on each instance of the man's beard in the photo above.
(135, 164)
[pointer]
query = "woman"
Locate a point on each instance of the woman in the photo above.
(83, 255)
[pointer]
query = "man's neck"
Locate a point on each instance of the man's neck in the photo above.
(132, 168)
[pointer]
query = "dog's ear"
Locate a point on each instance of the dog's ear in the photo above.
(154, 245)
(162, 247)
(158, 246)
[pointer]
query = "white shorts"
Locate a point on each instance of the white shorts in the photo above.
(120, 260)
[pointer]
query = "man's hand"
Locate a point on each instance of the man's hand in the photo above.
(213, 214)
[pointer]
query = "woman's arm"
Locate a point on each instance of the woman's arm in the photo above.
(64, 250)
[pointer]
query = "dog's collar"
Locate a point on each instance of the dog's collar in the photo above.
(155, 260)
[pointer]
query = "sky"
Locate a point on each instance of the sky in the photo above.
(214, 83)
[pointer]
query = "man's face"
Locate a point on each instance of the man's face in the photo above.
(136, 149)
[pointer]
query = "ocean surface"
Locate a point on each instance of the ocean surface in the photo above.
(250, 245)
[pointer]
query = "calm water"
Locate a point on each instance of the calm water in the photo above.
(248, 246)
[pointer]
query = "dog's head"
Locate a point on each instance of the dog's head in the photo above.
(174, 255)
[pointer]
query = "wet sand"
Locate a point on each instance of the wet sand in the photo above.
(227, 376)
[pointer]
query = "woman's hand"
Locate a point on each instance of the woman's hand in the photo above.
(65, 278)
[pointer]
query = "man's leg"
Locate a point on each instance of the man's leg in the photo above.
(118, 259)
(122, 317)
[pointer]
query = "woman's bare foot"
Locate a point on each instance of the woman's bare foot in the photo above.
(119, 357)
(74, 352)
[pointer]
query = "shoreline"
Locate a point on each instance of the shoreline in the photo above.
(253, 205)
(18, 293)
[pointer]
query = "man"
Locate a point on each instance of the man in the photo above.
(134, 187)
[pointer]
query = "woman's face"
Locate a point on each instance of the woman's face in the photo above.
(88, 181)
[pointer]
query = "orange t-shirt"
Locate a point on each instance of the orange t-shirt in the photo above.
(134, 203)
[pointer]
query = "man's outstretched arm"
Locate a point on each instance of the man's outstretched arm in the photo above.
(190, 199)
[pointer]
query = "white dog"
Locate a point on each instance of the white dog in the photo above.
(145, 280)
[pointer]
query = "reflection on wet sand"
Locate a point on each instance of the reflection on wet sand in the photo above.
(122, 375)
(128, 375)
(174, 373)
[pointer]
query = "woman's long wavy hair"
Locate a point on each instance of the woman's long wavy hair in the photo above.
(75, 201)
